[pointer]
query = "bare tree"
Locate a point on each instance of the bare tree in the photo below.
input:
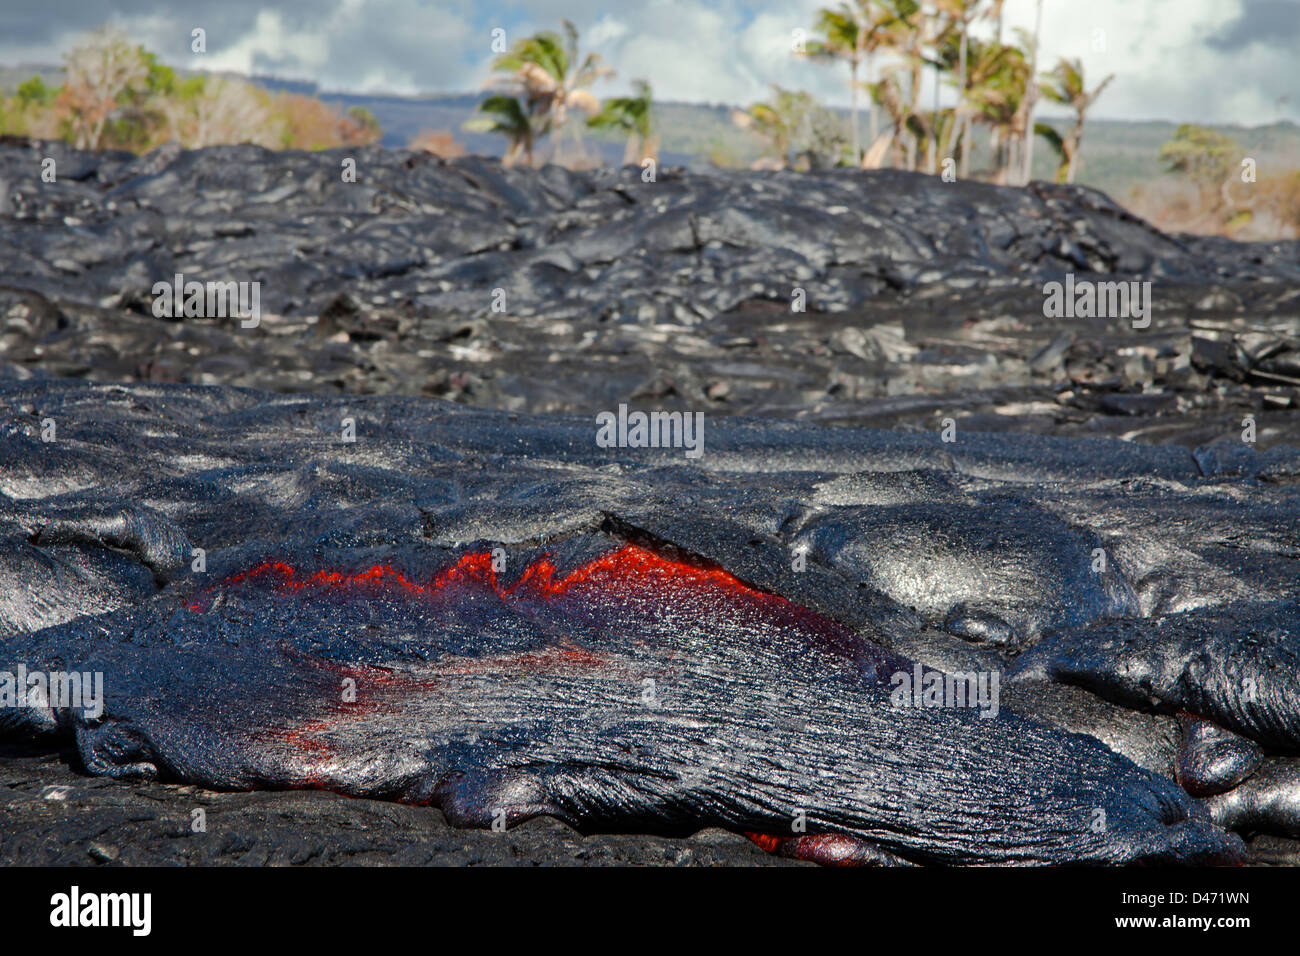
(226, 111)
(101, 71)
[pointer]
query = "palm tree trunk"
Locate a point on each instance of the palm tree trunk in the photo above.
(962, 120)
(873, 119)
(1076, 136)
(914, 97)
(934, 128)
(1031, 92)
(1006, 154)
(998, 148)
(853, 110)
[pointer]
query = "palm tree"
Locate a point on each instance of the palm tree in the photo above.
(1031, 101)
(937, 33)
(507, 116)
(852, 32)
(634, 116)
(963, 14)
(1065, 85)
(951, 126)
(776, 122)
(898, 26)
(998, 78)
(907, 28)
(887, 94)
(544, 70)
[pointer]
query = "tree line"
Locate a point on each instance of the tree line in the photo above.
(117, 95)
(887, 45)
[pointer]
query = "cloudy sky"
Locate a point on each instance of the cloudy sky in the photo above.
(1187, 60)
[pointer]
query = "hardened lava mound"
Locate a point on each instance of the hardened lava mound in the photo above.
(435, 606)
(557, 291)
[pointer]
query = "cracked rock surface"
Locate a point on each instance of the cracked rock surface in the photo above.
(554, 291)
(519, 690)
(1137, 599)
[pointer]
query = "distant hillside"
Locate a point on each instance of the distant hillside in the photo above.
(1117, 155)
(403, 117)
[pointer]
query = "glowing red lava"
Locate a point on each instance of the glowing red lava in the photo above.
(645, 584)
(630, 567)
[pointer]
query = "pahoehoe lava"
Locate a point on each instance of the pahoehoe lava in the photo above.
(924, 299)
(485, 612)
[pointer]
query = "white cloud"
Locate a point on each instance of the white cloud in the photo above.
(269, 43)
(1163, 66)
(720, 52)
(606, 30)
(715, 52)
